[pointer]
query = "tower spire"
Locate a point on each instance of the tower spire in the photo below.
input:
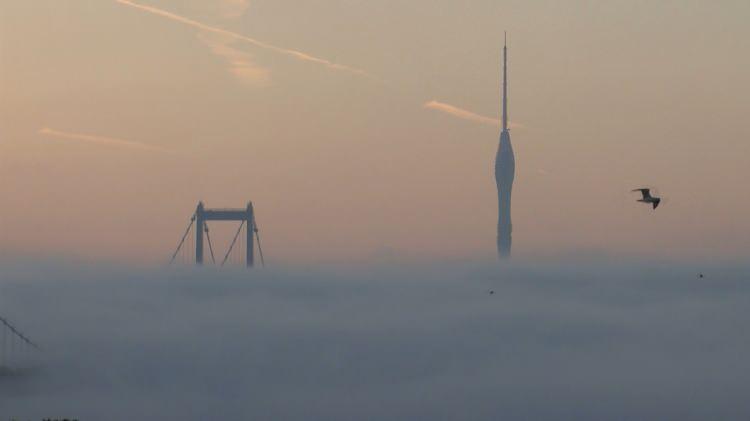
(505, 83)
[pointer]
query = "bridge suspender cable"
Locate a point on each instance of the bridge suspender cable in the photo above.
(234, 240)
(187, 231)
(20, 335)
(210, 247)
(257, 237)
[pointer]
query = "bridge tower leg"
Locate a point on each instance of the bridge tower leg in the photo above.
(199, 227)
(250, 225)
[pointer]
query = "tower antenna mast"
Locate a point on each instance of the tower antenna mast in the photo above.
(505, 83)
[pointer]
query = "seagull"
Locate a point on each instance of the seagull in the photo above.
(647, 198)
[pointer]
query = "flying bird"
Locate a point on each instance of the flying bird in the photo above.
(647, 198)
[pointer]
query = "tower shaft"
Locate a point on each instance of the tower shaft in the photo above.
(505, 171)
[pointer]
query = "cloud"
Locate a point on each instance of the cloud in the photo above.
(101, 140)
(240, 63)
(567, 340)
(465, 114)
(202, 26)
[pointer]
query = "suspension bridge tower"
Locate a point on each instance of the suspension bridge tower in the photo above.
(203, 215)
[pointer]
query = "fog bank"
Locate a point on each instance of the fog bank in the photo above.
(564, 340)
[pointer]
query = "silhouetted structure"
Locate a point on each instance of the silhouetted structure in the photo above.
(246, 217)
(505, 171)
(16, 350)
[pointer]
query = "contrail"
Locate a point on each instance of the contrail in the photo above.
(293, 53)
(461, 113)
(465, 114)
(101, 140)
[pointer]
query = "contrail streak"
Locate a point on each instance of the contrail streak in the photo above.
(461, 113)
(293, 53)
(109, 141)
(465, 114)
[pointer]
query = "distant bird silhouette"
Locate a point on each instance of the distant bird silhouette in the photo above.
(492, 292)
(700, 275)
(647, 198)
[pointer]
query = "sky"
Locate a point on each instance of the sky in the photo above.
(365, 134)
(575, 340)
(367, 129)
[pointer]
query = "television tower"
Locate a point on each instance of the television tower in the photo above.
(505, 171)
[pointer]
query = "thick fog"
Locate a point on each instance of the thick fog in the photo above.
(579, 340)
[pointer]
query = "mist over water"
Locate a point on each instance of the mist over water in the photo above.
(560, 340)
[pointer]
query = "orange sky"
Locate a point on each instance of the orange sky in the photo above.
(335, 118)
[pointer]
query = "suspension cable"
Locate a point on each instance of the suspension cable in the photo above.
(187, 231)
(257, 237)
(231, 246)
(208, 237)
(18, 334)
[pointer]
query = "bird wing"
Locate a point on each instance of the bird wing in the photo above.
(645, 192)
(656, 203)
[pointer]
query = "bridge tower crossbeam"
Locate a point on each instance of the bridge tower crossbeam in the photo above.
(247, 215)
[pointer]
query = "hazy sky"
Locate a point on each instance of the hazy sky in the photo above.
(349, 124)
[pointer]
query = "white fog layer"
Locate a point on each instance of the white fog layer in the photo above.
(567, 340)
